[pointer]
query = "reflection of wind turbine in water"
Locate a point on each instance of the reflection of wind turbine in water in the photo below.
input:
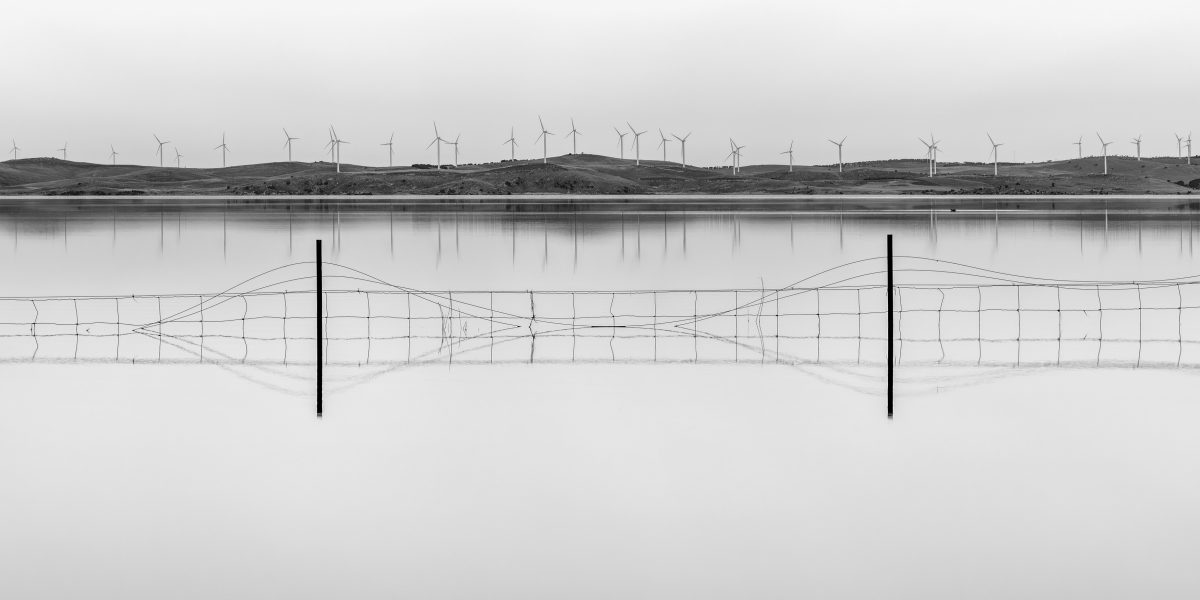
(545, 139)
(288, 143)
(1104, 145)
(512, 143)
(995, 156)
(839, 147)
(682, 149)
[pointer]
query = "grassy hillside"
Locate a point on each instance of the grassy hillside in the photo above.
(592, 174)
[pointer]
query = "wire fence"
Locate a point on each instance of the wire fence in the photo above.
(945, 313)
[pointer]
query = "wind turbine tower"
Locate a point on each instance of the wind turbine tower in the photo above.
(1137, 141)
(839, 147)
(223, 148)
(621, 141)
(637, 144)
(928, 154)
(663, 144)
(288, 143)
(112, 154)
(1189, 147)
(1179, 145)
(15, 149)
(789, 152)
(545, 138)
(512, 143)
(64, 150)
(455, 144)
(574, 136)
(159, 152)
(682, 149)
(437, 139)
(389, 145)
(335, 148)
(1079, 144)
(178, 157)
(1104, 146)
(995, 156)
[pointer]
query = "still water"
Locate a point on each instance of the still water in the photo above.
(728, 464)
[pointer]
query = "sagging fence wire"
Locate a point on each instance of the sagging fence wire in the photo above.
(946, 312)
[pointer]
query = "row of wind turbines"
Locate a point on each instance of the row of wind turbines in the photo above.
(932, 147)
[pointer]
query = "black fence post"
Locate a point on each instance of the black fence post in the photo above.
(320, 335)
(891, 362)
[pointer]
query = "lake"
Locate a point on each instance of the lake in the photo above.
(607, 404)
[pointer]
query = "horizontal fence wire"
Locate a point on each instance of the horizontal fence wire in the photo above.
(945, 313)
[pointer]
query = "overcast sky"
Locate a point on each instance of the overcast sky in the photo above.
(1036, 74)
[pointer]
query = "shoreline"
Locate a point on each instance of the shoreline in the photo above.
(860, 205)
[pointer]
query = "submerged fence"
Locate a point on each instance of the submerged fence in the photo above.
(944, 313)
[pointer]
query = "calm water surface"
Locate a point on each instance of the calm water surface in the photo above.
(644, 476)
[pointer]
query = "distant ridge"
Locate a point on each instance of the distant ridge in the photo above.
(594, 174)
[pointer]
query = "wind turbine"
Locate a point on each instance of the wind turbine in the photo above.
(288, 143)
(574, 133)
(545, 137)
(512, 144)
(1079, 144)
(1137, 141)
(933, 151)
(663, 144)
(437, 139)
(736, 152)
(1179, 145)
(389, 145)
(637, 144)
(839, 147)
(178, 156)
(621, 141)
(335, 147)
(223, 148)
(682, 149)
(159, 152)
(995, 156)
(455, 144)
(789, 153)
(64, 150)
(1189, 146)
(928, 154)
(14, 149)
(113, 154)
(1104, 145)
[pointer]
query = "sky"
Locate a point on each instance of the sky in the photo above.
(1037, 75)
